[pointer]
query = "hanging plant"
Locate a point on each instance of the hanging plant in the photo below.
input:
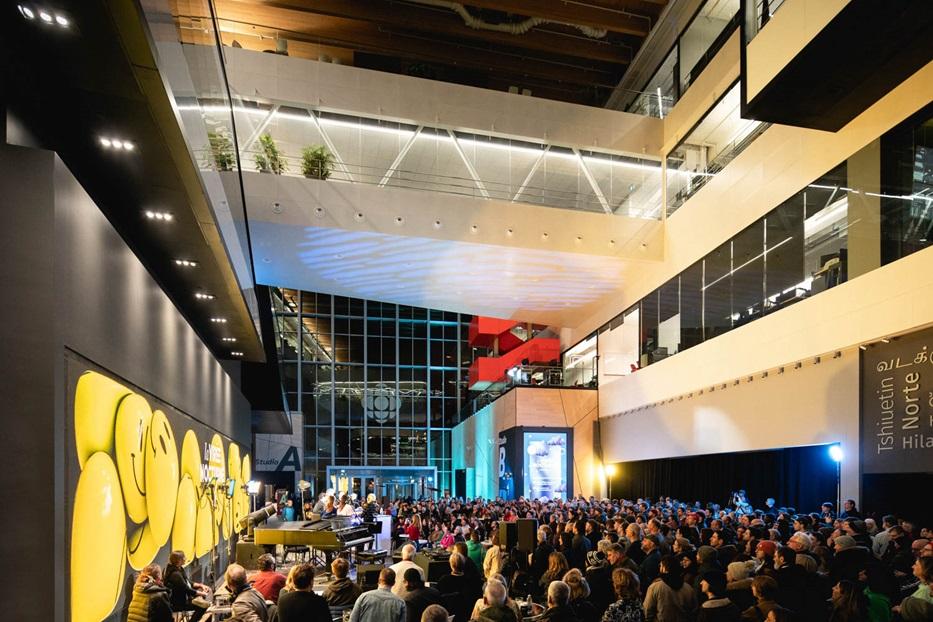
(317, 162)
(269, 159)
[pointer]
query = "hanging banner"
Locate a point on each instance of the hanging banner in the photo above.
(897, 405)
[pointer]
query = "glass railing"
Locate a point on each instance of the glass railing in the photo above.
(758, 14)
(296, 141)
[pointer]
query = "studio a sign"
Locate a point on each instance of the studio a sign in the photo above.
(897, 405)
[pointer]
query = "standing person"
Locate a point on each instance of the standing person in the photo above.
(380, 605)
(475, 550)
(150, 601)
(413, 530)
(182, 589)
(849, 603)
(267, 581)
(717, 607)
(492, 562)
(628, 606)
(302, 604)
(370, 509)
(288, 512)
(457, 588)
(651, 565)
(557, 568)
(539, 557)
(668, 598)
(579, 546)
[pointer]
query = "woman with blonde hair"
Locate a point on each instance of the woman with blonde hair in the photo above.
(628, 607)
(492, 562)
(557, 567)
(579, 595)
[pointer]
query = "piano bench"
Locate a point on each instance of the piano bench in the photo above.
(372, 557)
(301, 552)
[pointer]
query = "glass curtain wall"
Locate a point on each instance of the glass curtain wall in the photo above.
(806, 245)
(378, 384)
(696, 46)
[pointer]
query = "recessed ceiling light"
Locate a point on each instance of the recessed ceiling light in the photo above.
(437, 224)
(26, 12)
(187, 263)
(579, 239)
(116, 143)
(203, 296)
(544, 235)
(219, 320)
(154, 215)
(319, 212)
(228, 339)
(399, 221)
(509, 232)
(236, 353)
(62, 21)
(474, 229)
(358, 216)
(45, 17)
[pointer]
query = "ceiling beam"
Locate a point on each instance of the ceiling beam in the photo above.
(241, 18)
(445, 23)
(581, 14)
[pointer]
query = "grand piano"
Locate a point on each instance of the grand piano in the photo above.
(330, 536)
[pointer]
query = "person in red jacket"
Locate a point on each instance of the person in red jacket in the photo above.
(267, 581)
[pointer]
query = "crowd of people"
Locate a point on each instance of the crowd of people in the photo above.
(612, 561)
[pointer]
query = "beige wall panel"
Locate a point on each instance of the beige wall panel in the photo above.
(789, 31)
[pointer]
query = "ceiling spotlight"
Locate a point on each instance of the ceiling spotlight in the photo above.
(863, 347)
(358, 216)
(116, 143)
(219, 320)
(544, 235)
(885, 341)
(474, 229)
(26, 12)
(236, 353)
(105, 142)
(228, 339)
(186, 263)
(62, 21)
(579, 239)
(399, 221)
(319, 212)
(45, 17)
(612, 243)
(437, 224)
(203, 296)
(153, 215)
(509, 232)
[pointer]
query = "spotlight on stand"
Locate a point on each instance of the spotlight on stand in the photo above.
(253, 486)
(249, 521)
(835, 453)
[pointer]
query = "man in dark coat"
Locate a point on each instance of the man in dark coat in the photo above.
(302, 604)
(418, 596)
(650, 567)
(183, 590)
(558, 604)
(792, 580)
(539, 558)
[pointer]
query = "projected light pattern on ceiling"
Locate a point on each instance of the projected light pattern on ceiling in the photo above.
(467, 277)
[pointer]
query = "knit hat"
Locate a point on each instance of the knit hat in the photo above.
(706, 554)
(739, 570)
(845, 542)
(595, 558)
(716, 580)
(768, 546)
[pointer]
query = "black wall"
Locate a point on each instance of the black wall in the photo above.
(799, 477)
(70, 282)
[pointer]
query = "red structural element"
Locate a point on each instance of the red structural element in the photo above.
(512, 350)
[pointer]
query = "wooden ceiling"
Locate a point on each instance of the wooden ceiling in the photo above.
(558, 58)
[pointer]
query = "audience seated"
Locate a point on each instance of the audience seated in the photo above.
(248, 604)
(435, 613)
(267, 581)
(495, 609)
(341, 591)
(301, 604)
(558, 604)
(182, 589)
(717, 607)
(418, 596)
(668, 598)
(408, 553)
(150, 602)
(381, 604)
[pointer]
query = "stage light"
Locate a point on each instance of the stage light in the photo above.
(835, 453)
(610, 470)
(253, 486)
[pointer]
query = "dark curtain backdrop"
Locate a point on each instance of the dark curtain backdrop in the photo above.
(799, 477)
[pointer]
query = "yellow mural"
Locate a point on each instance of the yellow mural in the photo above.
(136, 493)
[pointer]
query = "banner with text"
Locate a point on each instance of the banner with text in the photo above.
(897, 405)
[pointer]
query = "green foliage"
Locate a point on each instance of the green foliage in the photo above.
(221, 150)
(269, 158)
(317, 162)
